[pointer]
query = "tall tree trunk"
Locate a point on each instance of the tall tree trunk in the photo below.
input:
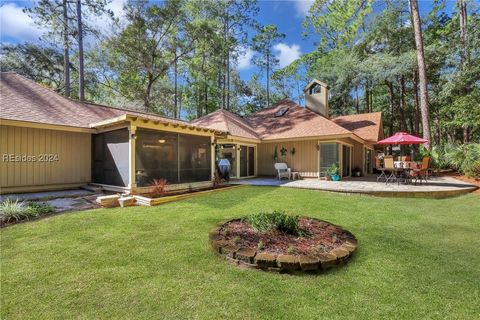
(403, 110)
(417, 104)
(462, 9)
(392, 105)
(228, 80)
(175, 79)
(268, 79)
(422, 72)
(81, 72)
(146, 98)
(66, 50)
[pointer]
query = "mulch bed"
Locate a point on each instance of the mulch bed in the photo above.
(320, 237)
(470, 180)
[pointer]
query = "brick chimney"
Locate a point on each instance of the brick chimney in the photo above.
(316, 97)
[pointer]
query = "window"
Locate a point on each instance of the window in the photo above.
(316, 88)
(281, 112)
(110, 163)
(328, 156)
(175, 157)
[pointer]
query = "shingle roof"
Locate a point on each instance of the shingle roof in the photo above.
(224, 120)
(25, 100)
(297, 122)
(366, 125)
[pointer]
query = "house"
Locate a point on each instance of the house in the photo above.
(49, 142)
(303, 137)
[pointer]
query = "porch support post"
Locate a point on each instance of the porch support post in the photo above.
(132, 184)
(212, 162)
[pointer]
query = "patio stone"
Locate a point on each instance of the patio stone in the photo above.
(437, 187)
(265, 260)
(287, 262)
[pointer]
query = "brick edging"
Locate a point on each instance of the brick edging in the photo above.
(283, 262)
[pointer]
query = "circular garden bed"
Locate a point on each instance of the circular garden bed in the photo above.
(314, 245)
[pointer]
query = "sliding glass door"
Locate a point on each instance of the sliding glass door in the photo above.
(241, 157)
(332, 153)
(328, 157)
(229, 152)
(247, 161)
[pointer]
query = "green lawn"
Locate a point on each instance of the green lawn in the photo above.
(417, 258)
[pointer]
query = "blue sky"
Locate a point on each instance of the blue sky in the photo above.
(16, 26)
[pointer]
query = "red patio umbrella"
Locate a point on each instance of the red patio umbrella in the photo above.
(402, 138)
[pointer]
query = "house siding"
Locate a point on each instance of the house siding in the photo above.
(305, 160)
(72, 168)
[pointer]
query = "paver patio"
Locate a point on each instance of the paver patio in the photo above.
(437, 187)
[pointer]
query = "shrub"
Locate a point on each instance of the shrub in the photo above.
(17, 210)
(276, 220)
(465, 158)
(40, 208)
(158, 187)
(333, 170)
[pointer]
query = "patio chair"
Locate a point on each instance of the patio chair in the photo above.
(378, 167)
(283, 171)
(422, 173)
(390, 167)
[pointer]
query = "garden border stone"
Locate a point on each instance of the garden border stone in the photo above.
(284, 262)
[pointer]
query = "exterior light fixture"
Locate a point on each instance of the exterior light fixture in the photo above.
(161, 140)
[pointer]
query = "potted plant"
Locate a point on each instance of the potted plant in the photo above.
(356, 172)
(333, 172)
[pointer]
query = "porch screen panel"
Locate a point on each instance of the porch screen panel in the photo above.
(328, 156)
(156, 157)
(195, 158)
(251, 161)
(110, 158)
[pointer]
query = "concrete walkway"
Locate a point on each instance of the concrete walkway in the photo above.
(437, 187)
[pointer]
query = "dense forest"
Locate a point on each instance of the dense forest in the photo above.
(178, 57)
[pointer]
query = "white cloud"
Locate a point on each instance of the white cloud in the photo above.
(104, 22)
(17, 24)
(116, 6)
(287, 54)
(244, 60)
(302, 7)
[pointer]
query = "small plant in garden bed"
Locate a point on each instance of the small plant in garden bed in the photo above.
(16, 210)
(276, 220)
(158, 187)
